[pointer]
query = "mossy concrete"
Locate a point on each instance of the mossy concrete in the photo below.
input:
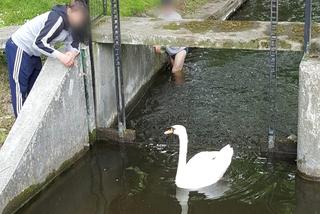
(205, 33)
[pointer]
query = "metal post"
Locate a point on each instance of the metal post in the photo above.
(307, 25)
(115, 15)
(104, 3)
(273, 74)
(92, 60)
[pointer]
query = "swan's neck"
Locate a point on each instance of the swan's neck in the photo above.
(183, 139)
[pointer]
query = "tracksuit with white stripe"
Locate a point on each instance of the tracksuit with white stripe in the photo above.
(27, 44)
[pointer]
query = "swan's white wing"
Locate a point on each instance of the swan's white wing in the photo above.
(202, 157)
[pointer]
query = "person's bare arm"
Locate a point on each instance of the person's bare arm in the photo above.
(157, 49)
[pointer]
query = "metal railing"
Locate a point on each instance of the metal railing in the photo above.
(98, 8)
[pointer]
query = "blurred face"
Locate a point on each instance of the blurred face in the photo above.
(167, 8)
(77, 18)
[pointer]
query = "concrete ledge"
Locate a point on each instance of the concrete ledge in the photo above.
(51, 131)
(5, 34)
(205, 33)
(140, 64)
(309, 119)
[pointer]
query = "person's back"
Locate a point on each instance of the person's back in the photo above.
(38, 36)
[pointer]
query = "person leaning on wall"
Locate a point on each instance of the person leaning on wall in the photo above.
(37, 37)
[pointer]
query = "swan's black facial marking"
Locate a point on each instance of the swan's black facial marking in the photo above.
(169, 131)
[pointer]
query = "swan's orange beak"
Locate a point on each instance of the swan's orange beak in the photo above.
(169, 131)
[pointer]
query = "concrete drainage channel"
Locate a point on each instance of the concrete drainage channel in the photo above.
(59, 118)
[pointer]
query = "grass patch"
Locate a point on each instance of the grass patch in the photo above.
(15, 12)
(190, 6)
(136, 7)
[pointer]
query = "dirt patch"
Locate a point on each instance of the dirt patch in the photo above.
(6, 116)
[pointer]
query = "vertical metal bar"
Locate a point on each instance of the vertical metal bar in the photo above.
(307, 25)
(115, 15)
(91, 59)
(273, 73)
(104, 3)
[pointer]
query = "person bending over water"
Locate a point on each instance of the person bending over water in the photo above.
(177, 54)
(37, 37)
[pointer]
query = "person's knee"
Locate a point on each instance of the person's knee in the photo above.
(179, 61)
(177, 68)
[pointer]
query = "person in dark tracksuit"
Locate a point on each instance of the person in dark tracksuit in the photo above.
(37, 37)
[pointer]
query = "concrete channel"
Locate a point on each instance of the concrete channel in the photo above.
(62, 101)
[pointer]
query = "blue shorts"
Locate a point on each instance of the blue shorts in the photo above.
(173, 56)
(23, 72)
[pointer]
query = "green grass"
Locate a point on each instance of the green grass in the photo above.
(134, 7)
(15, 12)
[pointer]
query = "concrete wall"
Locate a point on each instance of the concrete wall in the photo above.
(54, 126)
(51, 131)
(140, 63)
(309, 118)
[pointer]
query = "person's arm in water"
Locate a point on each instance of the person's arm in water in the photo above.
(51, 29)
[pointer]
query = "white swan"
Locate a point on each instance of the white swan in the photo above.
(204, 169)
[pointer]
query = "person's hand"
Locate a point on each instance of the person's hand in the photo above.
(73, 54)
(66, 59)
(157, 49)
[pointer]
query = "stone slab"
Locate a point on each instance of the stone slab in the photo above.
(216, 10)
(49, 134)
(309, 119)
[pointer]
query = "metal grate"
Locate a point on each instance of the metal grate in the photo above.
(273, 73)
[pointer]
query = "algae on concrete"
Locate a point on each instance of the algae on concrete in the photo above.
(203, 26)
(296, 32)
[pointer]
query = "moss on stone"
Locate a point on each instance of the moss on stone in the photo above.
(295, 32)
(92, 136)
(214, 25)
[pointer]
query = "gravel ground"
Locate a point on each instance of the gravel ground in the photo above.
(6, 116)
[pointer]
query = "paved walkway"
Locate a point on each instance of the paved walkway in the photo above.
(216, 9)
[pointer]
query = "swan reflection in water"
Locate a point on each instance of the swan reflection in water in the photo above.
(212, 192)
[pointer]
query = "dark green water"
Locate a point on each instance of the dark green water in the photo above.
(289, 10)
(222, 100)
